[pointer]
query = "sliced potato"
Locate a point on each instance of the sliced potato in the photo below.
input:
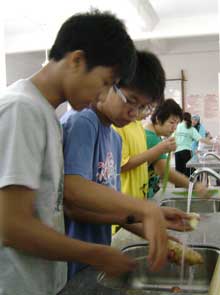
(194, 221)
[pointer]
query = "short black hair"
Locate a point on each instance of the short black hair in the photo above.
(149, 78)
(103, 39)
(166, 109)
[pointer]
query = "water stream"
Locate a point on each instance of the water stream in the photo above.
(182, 266)
(189, 197)
(184, 241)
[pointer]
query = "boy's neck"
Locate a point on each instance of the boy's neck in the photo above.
(51, 92)
(154, 128)
(102, 117)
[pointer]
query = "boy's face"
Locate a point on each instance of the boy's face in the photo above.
(90, 86)
(82, 87)
(120, 112)
(169, 126)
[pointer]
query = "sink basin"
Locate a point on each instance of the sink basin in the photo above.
(198, 205)
(195, 279)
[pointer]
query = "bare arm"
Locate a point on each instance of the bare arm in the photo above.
(178, 178)
(91, 196)
(23, 231)
(175, 177)
(150, 155)
(86, 216)
(98, 198)
(136, 228)
(206, 140)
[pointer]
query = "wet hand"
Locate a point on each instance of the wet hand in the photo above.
(113, 262)
(201, 190)
(154, 227)
(176, 219)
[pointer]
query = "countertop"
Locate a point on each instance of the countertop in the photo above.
(199, 162)
(85, 282)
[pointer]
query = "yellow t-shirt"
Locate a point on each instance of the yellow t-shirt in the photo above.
(133, 182)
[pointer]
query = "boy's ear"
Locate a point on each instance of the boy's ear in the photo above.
(77, 60)
(158, 122)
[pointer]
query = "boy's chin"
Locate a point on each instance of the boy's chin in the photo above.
(120, 124)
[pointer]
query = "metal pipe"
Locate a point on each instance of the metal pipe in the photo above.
(193, 177)
(211, 154)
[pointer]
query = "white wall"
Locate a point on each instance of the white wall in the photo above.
(199, 58)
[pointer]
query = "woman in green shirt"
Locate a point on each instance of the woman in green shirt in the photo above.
(164, 121)
(185, 135)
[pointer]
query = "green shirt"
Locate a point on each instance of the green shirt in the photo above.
(153, 184)
(185, 136)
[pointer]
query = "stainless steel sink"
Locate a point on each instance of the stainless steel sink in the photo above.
(198, 205)
(195, 279)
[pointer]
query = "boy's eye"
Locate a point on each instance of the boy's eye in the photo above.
(132, 102)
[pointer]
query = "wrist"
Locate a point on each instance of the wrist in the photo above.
(161, 148)
(148, 209)
(130, 219)
(89, 256)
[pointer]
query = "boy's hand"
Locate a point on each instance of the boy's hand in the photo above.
(201, 190)
(168, 145)
(176, 219)
(112, 261)
(154, 227)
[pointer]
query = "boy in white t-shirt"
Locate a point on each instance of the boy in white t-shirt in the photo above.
(90, 53)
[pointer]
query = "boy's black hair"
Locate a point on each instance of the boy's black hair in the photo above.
(166, 109)
(188, 119)
(149, 78)
(103, 39)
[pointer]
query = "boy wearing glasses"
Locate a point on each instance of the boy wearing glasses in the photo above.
(134, 171)
(92, 157)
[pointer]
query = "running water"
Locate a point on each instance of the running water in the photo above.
(185, 236)
(191, 276)
(189, 197)
(182, 266)
(214, 207)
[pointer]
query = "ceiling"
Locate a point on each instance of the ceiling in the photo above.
(184, 8)
(32, 25)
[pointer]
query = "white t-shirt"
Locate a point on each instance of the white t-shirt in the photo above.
(31, 155)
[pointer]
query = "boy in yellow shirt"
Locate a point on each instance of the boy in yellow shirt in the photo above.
(135, 156)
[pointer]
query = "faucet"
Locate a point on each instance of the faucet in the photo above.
(192, 180)
(193, 177)
(211, 154)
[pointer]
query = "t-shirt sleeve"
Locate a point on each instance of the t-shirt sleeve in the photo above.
(153, 140)
(23, 138)
(79, 144)
(125, 150)
(202, 131)
(195, 134)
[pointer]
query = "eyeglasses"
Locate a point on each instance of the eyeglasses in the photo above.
(140, 109)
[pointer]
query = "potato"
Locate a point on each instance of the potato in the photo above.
(175, 252)
(194, 221)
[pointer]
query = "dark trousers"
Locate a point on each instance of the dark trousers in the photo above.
(181, 158)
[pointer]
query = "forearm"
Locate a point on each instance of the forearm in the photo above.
(99, 198)
(86, 216)
(178, 179)
(136, 228)
(206, 141)
(37, 239)
(148, 156)
(174, 176)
